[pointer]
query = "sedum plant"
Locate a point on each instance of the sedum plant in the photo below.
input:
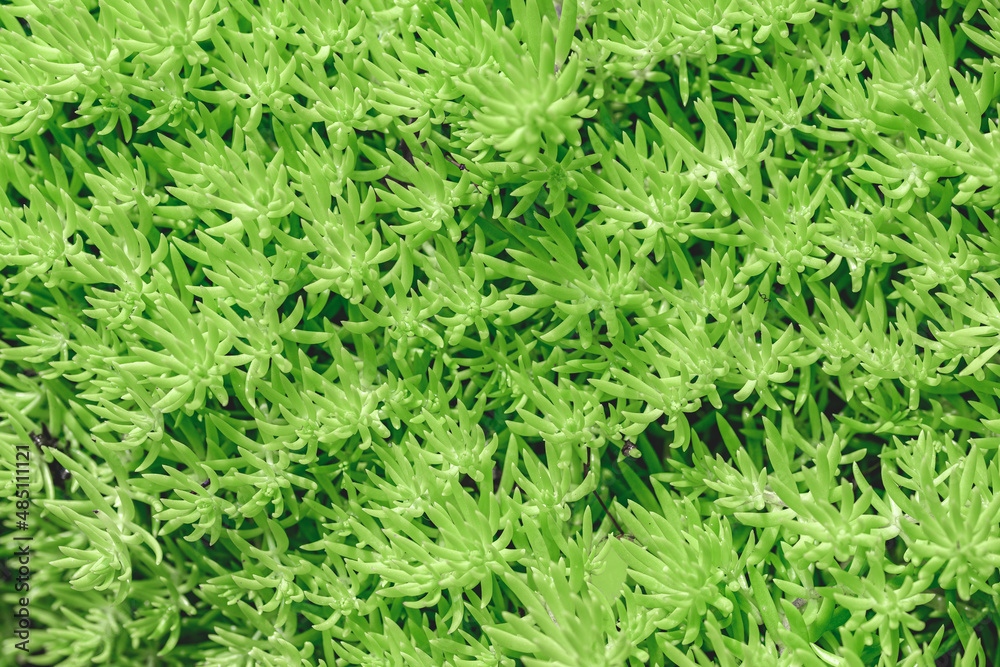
(500, 332)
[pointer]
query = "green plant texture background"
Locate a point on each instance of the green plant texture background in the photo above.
(501, 332)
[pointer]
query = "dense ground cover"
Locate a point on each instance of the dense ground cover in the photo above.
(635, 332)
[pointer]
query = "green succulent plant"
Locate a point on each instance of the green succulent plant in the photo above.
(500, 332)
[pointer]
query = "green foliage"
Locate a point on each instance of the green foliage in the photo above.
(514, 332)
